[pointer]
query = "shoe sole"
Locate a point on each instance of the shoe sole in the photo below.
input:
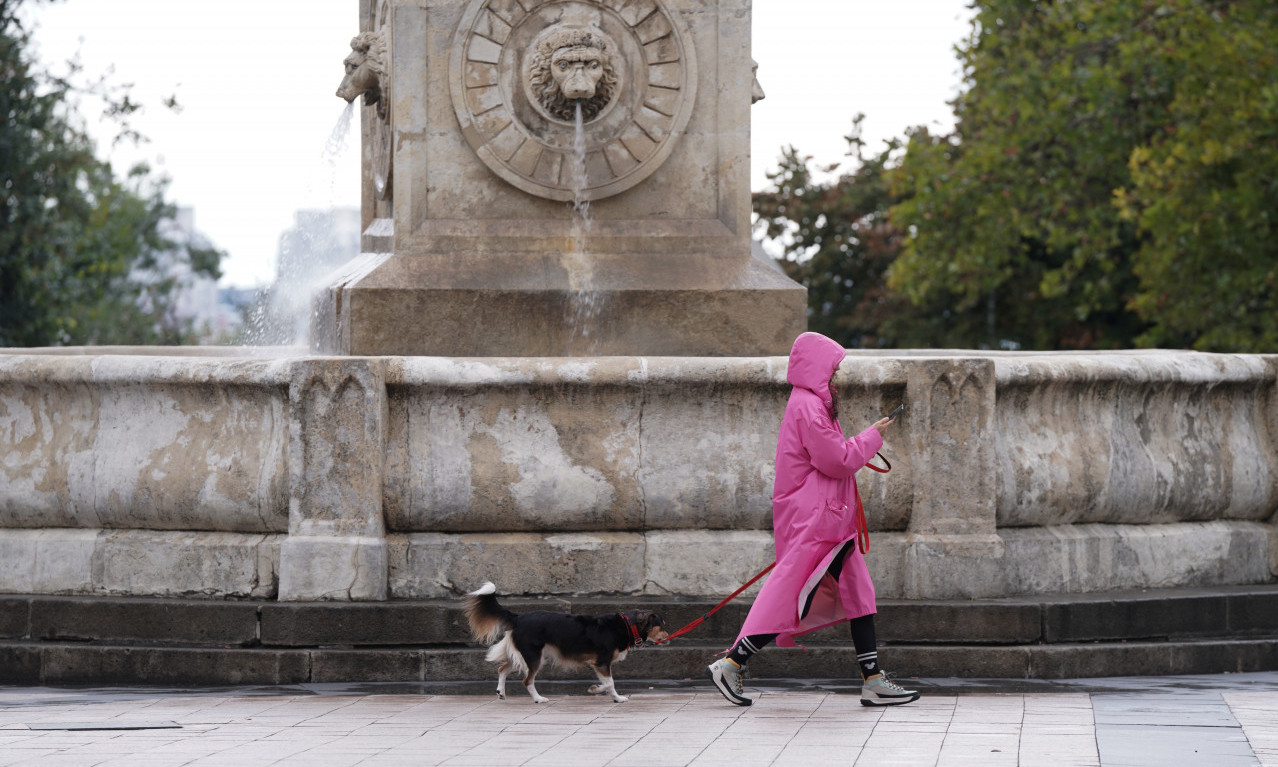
(715, 680)
(889, 701)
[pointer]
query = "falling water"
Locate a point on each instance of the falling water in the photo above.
(317, 243)
(583, 300)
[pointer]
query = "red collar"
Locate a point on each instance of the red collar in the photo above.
(636, 641)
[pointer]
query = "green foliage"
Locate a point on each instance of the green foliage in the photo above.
(1111, 180)
(839, 243)
(83, 254)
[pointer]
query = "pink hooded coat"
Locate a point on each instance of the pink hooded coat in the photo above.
(814, 506)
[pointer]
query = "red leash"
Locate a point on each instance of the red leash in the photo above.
(731, 597)
(863, 540)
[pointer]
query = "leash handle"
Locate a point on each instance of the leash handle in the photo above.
(715, 609)
(883, 458)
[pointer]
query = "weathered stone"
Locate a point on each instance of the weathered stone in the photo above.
(481, 142)
(1134, 438)
(138, 563)
(1080, 558)
(20, 664)
(650, 456)
(1134, 618)
(101, 664)
(133, 442)
(15, 614)
(144, 620)
(971, 622)
(177, 564)
(336, 547)
(54, 561)
(705, 561)
(1252, 612)
(425, 565)
(388, 623)
(366, 666)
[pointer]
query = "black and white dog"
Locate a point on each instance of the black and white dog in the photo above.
(524, 640)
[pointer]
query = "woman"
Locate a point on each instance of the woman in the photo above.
(820, 576)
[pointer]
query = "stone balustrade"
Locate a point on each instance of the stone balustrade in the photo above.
(218, 473)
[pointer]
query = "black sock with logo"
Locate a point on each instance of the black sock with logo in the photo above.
(748, 646)
(867, 648)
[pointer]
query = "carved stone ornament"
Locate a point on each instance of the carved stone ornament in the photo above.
(520, 69)
(368, 75)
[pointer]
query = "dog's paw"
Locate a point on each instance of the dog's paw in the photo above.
(540, 699)
(620, 698)
(501, 695)
(595, 689)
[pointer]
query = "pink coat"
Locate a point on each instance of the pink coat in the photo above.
(814, 505)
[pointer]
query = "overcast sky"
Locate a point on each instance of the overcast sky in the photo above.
(256, 81)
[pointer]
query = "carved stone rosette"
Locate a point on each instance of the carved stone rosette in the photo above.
(639, 99)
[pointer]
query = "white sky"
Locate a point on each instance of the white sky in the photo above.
(256, 80)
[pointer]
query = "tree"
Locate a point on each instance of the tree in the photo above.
(839, 243)
(83, 254)
(1110, 178)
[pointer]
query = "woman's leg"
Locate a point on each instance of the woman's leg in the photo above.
(866, 644)
(748, 646)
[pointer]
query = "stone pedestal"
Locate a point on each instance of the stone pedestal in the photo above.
(495, 226)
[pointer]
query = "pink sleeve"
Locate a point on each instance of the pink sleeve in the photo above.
(834, 456)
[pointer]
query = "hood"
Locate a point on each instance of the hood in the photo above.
(812, 361)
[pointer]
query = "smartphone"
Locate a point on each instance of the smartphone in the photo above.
(896, 413)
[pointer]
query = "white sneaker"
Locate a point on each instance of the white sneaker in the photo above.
(878, 690)
(726, 676)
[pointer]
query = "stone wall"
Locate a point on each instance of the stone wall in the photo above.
(161, 472)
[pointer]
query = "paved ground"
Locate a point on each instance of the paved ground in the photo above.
(1219, 721)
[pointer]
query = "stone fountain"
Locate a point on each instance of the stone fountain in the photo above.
(556, 366)
(471, 240)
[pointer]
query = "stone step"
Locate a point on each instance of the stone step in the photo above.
(1226, 611)
(70, 663)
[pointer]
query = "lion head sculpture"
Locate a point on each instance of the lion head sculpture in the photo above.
(366, 71)
(571, 66)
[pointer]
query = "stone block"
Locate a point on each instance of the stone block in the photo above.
(20, 664)
(333, 568)
(1085, 558)
(383, 623)
(1085, 437)
(143, 620)
(129, 442)
(1255, 612)
(104, 664)
(51, 561)
(1134, 618)
(15, 613)
(366, 666)
(705, 561)
(736, 308)
(1083, 661)
(463, 664)
(952, 567)
(336, 547)
(180, 564)
(978, 622)
(429, 565)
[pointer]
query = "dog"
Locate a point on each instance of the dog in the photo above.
(524, 640)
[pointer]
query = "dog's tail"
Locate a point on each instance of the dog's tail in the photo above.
(487, 618)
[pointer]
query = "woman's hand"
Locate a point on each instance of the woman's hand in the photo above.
(883, 423)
